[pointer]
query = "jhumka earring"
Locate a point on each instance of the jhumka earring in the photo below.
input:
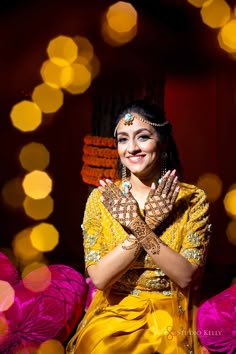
(163, 169)
(125, 184)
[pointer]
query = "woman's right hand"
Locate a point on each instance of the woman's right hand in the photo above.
(161, 199)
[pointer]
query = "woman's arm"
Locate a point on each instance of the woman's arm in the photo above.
(112, 266)
(173, 264)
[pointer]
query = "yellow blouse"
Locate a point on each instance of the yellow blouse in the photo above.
(154, 315)
(186, 231)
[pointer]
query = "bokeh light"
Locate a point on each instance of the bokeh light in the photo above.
(121, 17)
(211, 184)
(81, 79)
(48, 98)
(13, 193)
(34, 156)
(119, 26)
(26, 116)
(62, 50)
(227, 36)
(31, 267)
(215, 13)
(38, 209)
(115, 38)
(37, 184)
(44, 237)
(51, 346)
(197, 3)
(230, 203)
(231, 232)
(23, 248)
(86, 51)
(7, 295)
(55, 75)
(38, 280)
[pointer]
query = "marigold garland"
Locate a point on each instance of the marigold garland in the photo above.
(100, 159)
(99, 162)
(100, 152)
(92, 175)
(100, 141)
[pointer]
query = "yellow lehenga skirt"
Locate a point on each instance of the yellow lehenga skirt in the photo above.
(145, 323)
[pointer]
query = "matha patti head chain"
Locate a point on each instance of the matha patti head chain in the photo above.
(129, 118)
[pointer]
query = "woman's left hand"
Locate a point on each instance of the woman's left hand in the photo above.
(161, 199)
(123, 208)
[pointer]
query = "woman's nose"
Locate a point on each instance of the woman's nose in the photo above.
(133, 146)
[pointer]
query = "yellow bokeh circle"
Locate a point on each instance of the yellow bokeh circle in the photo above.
(48, 98)
(34, 156)
(62, 50)
(26, 116)
(38, 209)
(44, 237)
(37, 184)
(230, 202)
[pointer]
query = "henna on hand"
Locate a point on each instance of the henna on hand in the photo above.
(145, 236)
(123, 208)
(161, 199)
(134, 244)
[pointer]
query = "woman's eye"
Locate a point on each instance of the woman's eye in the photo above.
(121, 140)
(143, 137)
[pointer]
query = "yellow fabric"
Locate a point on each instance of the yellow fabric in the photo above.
(144, 312)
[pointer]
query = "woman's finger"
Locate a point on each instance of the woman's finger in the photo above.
(162, 183)
(172, 187)
(169, 183)
(152, 190)
(175, 194)
(114, 188)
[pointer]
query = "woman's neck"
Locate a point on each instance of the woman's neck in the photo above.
(143, 184)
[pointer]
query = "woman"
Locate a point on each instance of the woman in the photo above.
(145, 240)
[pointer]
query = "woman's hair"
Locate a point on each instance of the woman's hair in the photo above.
(155, 114)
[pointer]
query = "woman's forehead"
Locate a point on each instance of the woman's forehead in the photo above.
(134, 126)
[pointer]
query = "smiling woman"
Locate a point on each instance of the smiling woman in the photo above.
(145, 240)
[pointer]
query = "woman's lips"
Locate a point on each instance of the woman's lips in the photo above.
(136, 158)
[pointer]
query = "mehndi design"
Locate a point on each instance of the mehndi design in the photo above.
(160, 200)
(123, 208)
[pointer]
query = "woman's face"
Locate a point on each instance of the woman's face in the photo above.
(139, 148)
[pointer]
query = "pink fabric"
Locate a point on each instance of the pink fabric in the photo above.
(7, 270)
(37, 316)
(90, 294)
(216, 322)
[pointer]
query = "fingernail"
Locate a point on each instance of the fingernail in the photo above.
(153, 185)
(176, 179)
(173, 172)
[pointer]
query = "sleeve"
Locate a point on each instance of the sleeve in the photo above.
(197, 230)
(92, 230)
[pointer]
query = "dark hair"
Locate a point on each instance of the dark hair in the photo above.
(155, 114)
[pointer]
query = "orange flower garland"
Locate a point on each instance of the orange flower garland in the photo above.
(100, 159)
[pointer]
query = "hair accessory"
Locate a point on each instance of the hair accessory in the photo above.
(129, 118)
